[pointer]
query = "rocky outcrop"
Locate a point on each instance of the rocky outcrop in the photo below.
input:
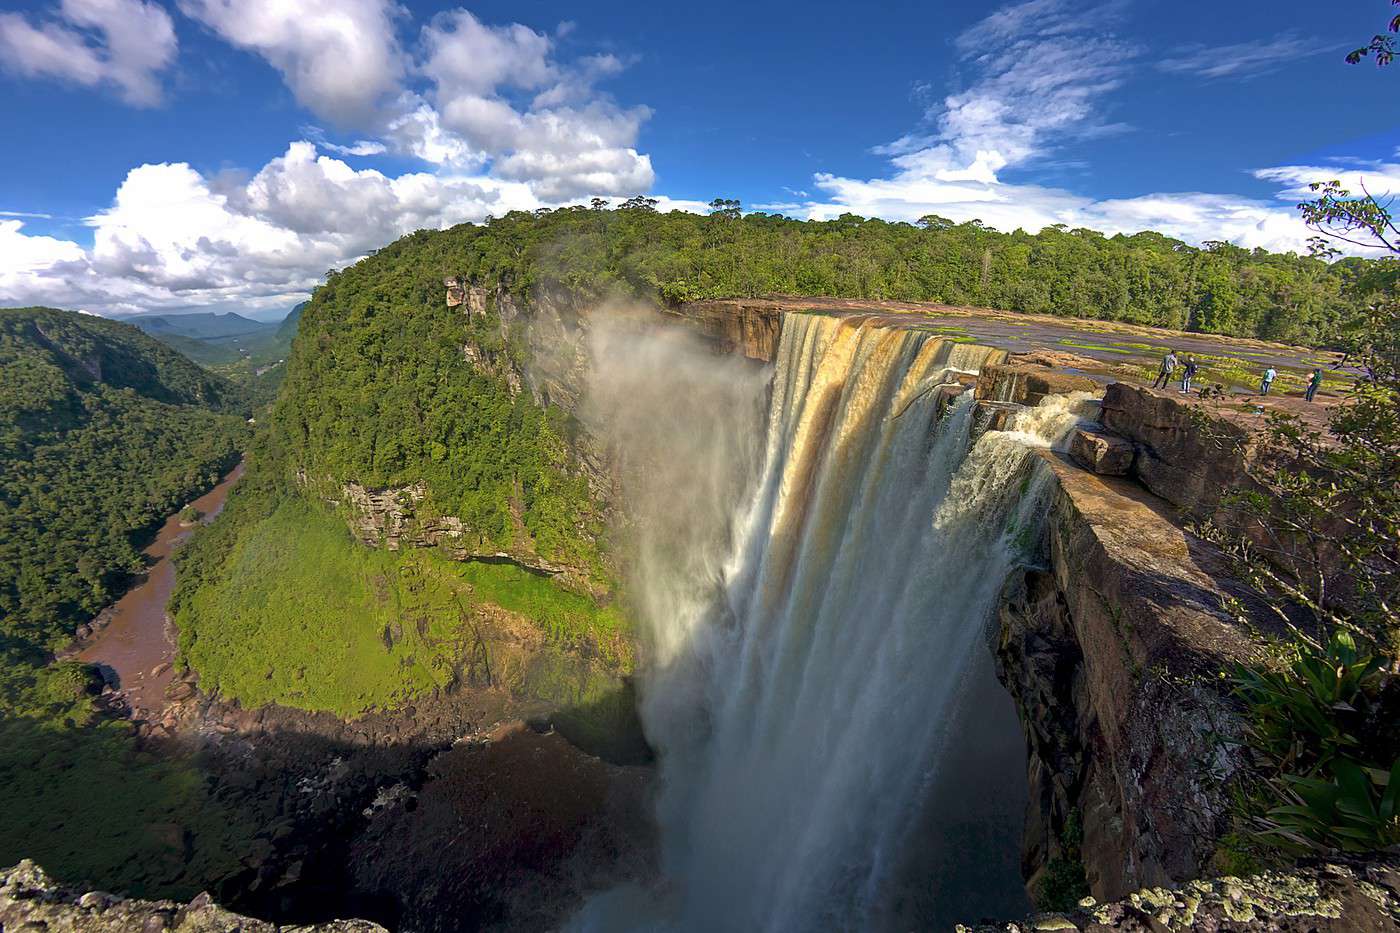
(1114, 656)
(392, 519)
(31, 900)
(1341, 895)
(1101, 451)
(1026, 382)
(1189, 454)
(750, 330)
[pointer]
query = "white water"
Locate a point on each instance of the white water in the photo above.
(800, 691)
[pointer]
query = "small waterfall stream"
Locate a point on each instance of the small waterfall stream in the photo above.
(801, 699)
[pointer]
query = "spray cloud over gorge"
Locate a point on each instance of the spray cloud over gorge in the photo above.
(814, 588)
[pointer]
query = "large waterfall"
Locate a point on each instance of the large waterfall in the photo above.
(807, 661)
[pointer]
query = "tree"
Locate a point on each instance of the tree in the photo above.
(639, 203)
(1381, 45)
(727, 208)
(934, 222)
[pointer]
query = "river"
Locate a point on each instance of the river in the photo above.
(137, 643)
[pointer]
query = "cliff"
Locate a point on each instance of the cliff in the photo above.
(1114, 654)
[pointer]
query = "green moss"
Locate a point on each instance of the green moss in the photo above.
(1071, 342)
(1063, 884)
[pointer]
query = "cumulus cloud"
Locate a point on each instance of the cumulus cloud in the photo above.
(122, 43)
(341, 58)
(1240, 60)
(499, 91)
(173, 238)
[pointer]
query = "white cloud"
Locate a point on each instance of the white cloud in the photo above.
(1242, 59)
(173, 238)
(501, 97)
(1041, 72)
(123, 43)
(340, 58)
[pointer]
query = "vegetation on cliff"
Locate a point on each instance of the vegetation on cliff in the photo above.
(1324, 715)
(300, 614)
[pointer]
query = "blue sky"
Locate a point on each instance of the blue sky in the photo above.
(224, 153)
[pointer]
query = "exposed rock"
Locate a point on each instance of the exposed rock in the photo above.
(1102, 452)
(392, 519)
(31, 900)
(1114, 657)
(1339, 895)
(751, 330)
(993, 416)
(1026, 383)
(1189, 455)
(456, 291)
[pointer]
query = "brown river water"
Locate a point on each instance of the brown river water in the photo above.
(137, 643)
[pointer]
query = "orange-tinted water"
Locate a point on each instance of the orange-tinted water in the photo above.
(137, 641)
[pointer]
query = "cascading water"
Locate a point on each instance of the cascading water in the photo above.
(801, 695)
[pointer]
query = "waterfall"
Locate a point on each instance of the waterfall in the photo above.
(800, 711)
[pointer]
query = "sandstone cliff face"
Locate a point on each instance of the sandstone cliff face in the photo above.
(1114, 655)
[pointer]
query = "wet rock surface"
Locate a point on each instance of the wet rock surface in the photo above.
(1354, 895)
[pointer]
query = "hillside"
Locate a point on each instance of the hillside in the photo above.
(103, 431)
(454, 426)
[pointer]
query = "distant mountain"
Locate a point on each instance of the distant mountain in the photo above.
(215, 339)
(201, 325)
(288, 328)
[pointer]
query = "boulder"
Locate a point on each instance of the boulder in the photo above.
(1028, 383)
(1102, 452)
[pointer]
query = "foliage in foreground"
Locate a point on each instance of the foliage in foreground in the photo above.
(1326, 720)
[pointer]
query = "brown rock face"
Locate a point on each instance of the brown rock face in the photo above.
(1103, 453)
(1028, 383)
(1188, 455)
(1114, 657)
(749, 330)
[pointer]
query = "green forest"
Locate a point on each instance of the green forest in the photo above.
(1146, 278)
(104, 432)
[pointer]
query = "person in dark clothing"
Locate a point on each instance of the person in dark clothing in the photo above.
(1314, 383)
(1187, 374)
(1165, 374)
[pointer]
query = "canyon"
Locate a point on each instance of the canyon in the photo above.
(1113, 740)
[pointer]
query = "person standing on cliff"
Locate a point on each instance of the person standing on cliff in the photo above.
(1267, 382)
(1168, 367)
(1314, 383)
(1187, 374)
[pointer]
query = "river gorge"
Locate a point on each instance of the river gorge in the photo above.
(918, 623)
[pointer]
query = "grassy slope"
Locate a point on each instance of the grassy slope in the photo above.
(300, 614)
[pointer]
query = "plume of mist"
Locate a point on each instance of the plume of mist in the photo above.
(683, 426)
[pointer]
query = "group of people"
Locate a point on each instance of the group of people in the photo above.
(1190, 368)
